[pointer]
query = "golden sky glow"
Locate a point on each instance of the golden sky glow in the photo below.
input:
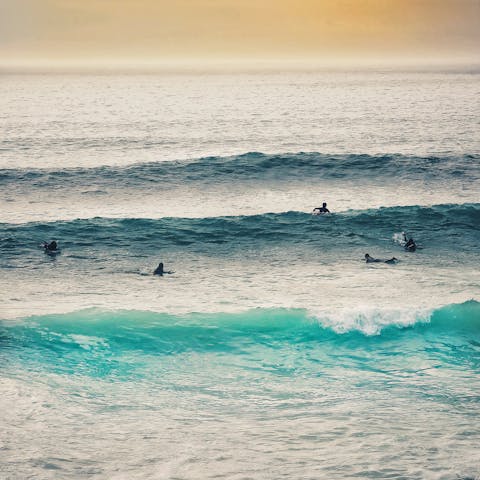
(157, 30)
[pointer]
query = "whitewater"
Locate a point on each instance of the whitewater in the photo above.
(273, 351)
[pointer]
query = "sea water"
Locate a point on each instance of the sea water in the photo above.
(273, 351)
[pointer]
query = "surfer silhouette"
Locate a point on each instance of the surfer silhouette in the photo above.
(160, 271)
(409, 245)
(369, 259)
(50, 247)
(322, 209)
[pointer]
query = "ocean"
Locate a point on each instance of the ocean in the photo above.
(273, 350)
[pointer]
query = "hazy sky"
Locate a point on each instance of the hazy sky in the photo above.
(185, 30)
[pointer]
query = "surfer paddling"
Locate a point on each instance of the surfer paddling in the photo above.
(369, 259)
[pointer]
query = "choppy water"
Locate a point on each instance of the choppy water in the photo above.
(273, 351)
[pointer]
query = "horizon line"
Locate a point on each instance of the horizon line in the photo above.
(239, 65)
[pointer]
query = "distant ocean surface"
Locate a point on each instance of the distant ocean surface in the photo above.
(273, 351)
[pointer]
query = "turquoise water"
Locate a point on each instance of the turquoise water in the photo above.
(292, 393)
(127, 344)
(274, 350)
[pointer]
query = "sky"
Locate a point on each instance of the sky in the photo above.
(195, 31)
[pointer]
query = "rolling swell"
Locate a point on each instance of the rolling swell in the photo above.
(437, 225)
(94, 332)
(251, 166)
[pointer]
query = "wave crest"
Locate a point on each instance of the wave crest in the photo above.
(136, 328)
(249, 166)
(358, 228)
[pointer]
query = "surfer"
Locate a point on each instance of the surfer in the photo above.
(369, 259)
(50, 247)
(160, 271)
(409, 245)
(322, 209)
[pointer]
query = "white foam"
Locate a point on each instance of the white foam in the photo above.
(370, 320)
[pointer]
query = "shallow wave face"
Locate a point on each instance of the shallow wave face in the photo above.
(249, 166)
(435, 223)
(252, 183)
(239, 222)
(234, 396)
(285, 260)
